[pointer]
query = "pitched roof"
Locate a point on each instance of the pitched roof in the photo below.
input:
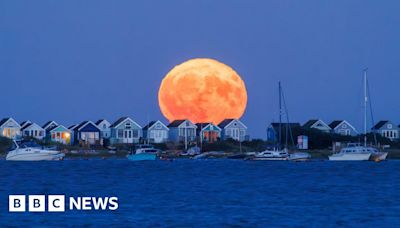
(151, 123)
(61, 126)
(84, 123)
(29, 125)
(176, 123)
(120, 120)
(48, 123)
(52, 128)
(335, 123)
(309, 123)
(380, 124)
(200, 126)
(3, 121)
(225, 122)
(72, 127)
(99, 121)
(23, 123)
(26, 126)
(81, 124)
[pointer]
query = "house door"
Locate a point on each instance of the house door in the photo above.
(127, 136)
(236, 133)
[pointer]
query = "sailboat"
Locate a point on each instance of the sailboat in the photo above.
(358, 152)
(376, 155)
(279, 154)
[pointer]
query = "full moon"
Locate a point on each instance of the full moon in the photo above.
(202, 90)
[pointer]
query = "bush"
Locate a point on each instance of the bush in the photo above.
(5, 144)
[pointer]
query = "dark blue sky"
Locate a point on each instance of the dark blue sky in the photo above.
(77, 60)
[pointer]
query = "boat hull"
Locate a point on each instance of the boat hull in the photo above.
(269, 159)
(378, 156)
(42, 156)
(299, 156)
(350, 157)
(142, 157)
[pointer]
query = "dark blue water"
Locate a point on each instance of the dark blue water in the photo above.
(204, 193)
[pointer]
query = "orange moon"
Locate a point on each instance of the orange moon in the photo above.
(202, 90)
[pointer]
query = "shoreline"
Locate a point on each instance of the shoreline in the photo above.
(106, 155)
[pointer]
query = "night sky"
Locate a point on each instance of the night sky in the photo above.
(75, 60)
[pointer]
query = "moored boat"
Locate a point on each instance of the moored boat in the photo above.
(353, 152)
(143, 152)
(32, 152)
(272, 155)
(299, 156)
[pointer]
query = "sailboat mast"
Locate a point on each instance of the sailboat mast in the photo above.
(280, 114)
(365, 107)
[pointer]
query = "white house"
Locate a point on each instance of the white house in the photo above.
(104, 126)
(33, 130)
(10, 128)
(387, 129)
(125, 130)
(233, 129)
(342, 127)
(155, 132)
(317, 124)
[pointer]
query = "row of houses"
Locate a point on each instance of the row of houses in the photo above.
(124, 131)
(384, 128)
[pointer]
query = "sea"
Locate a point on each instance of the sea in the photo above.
(209, 193)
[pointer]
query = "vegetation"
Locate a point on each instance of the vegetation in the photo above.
(5, 144)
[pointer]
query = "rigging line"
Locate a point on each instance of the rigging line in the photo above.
(288, 128)
(371, 112)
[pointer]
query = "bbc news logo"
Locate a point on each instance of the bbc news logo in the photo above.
(56, 203)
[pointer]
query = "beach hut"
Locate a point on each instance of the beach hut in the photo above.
(125, 130)
(208, 132)
(233, 129)
(10, 128)
(155, 132)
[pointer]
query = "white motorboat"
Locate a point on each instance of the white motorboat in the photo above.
(299, 156)
(33, 152)
(353, 152)
(272, 155)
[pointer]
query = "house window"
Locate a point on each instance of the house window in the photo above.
(135, 133)
(128, 125)
(104, 126)
(120, 133)
(389, 126)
